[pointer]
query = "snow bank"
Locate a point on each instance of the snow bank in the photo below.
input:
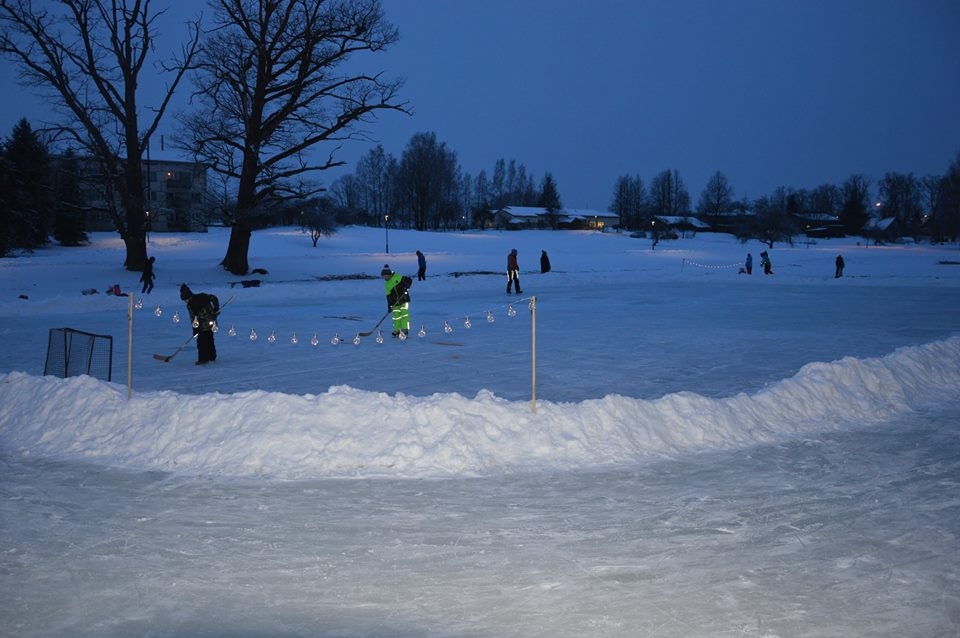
(347, 432)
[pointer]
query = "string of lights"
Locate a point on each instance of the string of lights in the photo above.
(686, 261)
(465, 320)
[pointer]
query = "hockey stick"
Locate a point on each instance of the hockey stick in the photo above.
(166, 358)
(371, 331)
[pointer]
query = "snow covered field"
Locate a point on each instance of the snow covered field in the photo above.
(711, 454)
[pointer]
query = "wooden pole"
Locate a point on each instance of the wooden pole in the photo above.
(533, 349)
(130, 348)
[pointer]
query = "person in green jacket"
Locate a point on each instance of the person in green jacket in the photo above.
(398, 299)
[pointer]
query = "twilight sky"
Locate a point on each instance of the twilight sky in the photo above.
(770, 92)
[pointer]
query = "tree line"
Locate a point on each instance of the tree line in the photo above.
(427, 189)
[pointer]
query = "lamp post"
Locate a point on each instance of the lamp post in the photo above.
(386, 232)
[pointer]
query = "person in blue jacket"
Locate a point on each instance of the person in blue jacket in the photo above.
(421, 266)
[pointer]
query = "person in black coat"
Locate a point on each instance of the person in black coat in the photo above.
(544, 261)
(203, 309)
(147, 276)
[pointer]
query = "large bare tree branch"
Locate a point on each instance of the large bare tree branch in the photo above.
(277, 79)
(89, 58)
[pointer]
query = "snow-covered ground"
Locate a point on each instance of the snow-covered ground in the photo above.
(707, 453)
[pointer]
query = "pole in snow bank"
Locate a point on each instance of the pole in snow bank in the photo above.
(130, 349)
(533, 349)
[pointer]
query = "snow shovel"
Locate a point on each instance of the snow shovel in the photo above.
(371, 331)
(166, 358)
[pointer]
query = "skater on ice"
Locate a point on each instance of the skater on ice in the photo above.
(421, 266)
(840, 264)
(397, 287)
(513, 272)
(203, 309)
(148, 276)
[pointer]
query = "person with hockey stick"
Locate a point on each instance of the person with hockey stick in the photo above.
(397, 287)
(203, 308)
(513, 272)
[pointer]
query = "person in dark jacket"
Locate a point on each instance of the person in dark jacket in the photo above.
(766, 263)
(147, 276)
(749, 264)
(421, 266)
(203, 309)
(397, 287)
(840, 265)
(513, 271)
(544, 262)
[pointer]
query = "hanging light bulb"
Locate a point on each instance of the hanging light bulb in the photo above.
(336, 339)
(214, 327)
(467, 324)
(313, 340)
(402, 336)
(379, 337)
(195, 323)
(139, 303)
(511, 311)
(490, 318)
(356, 340)
(158, 311)
(176, 317)
(422, 333)
(273, 336)
(253, 334)
(232, 331)
(447, 327)
(294, 339)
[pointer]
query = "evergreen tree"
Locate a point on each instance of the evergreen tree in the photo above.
(27, 192)
(69, 223)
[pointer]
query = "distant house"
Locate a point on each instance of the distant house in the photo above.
(587, 219)
(820, 225)
(728, 221)
(517, 217)
(882, 230)
(683, 224)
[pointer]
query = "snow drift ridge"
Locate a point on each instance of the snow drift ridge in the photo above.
(347, 432)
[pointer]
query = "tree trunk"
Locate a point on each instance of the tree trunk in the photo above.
(136, 244)
(235, 261)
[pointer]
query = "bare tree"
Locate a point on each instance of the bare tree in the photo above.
(629, 196)
(273, 84)
(668, 195)
(89, 57)
(374, 176)
(948, 209)
(427, 180)
(855, 193)
(717, 197)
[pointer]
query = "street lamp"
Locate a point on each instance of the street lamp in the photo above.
(386, 232)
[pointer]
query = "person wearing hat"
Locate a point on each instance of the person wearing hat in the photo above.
(398, 299)
(203, 309)
(513, 271)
